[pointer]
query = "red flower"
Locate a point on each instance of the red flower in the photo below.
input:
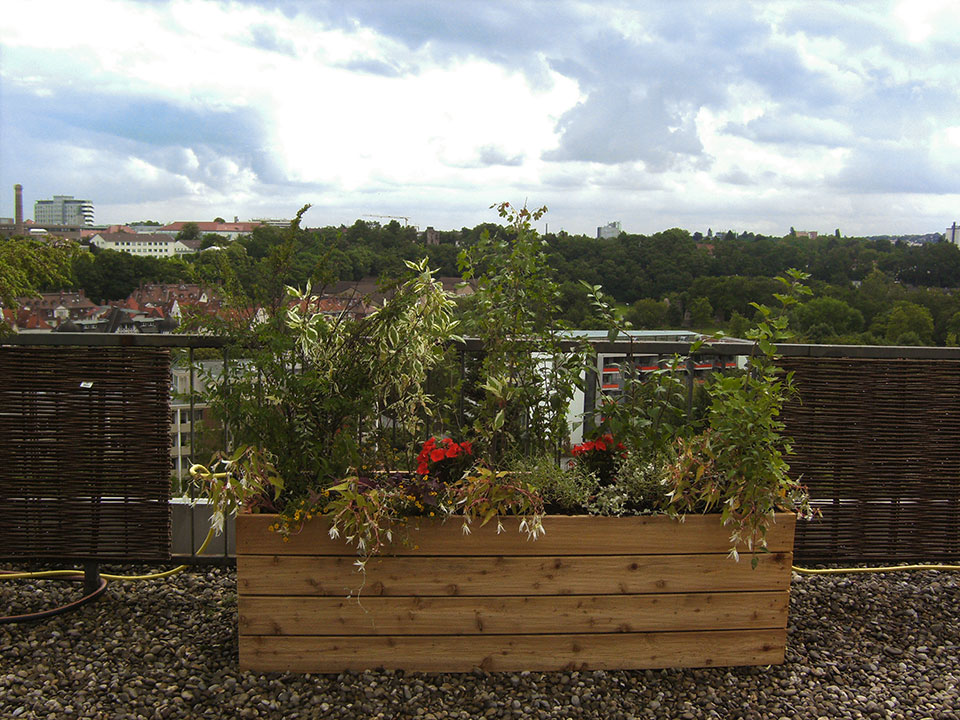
(600, 444)
(437, 455)
(423, 469)
(467, 447)
(453, 450)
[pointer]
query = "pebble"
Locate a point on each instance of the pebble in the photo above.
(862, 646)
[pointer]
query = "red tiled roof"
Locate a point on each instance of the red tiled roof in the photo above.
(70, 299)
(33, 321)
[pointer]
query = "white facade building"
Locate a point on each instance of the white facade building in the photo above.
(153, 245)
(63, 210)
(953, 234)
(610, 230)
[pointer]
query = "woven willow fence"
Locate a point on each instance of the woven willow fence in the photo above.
(85, 468)
(84, 453)
(877, 442)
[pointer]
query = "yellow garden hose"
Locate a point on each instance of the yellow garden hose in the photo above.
(152, 576)
(107, 576)
(103, 577)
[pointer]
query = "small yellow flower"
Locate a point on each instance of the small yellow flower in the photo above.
(286, 539)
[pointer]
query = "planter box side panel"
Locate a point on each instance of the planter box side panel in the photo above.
(511, 610)
(510, 653)
(565, 535)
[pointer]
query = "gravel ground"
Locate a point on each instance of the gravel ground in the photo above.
(859, 646)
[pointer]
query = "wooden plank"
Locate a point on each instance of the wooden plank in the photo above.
(261, 615)
(565, 535)
(503, 576)
(462, 653)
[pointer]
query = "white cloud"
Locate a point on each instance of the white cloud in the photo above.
(707, 114)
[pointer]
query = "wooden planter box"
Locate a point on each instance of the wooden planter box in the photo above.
(592, 593)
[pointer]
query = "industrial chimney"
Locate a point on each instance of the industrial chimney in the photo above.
(18, 209)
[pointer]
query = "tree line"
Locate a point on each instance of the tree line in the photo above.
(869, 291)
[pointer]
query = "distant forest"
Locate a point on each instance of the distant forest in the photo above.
(866, 290)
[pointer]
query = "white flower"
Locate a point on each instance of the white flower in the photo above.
(466, 528)
(217, 521)
(334, 532)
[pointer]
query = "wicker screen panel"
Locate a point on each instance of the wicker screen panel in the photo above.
(878, 444)
(84, 453)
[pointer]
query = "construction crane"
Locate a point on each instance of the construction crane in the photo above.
(406, 220)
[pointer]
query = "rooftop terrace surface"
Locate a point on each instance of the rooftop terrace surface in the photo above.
(859, 646)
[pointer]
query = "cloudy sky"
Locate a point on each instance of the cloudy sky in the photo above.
(729, 115)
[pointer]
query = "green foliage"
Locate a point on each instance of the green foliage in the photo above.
(213, 240)
(318, 395)
(830, 316)
(738, 464)
(28, 266)
(642, 480)
(526, 379)
(189, 232)
(906, 323)
(245, 478)
(372, 512)
(738, 326)
(329, 404)
(366, 516)
(953, 330)
(701, 314)
(107, 275)
(651, 411)
(635, 486)
(484, 494)
(564, 490)
(648, 314)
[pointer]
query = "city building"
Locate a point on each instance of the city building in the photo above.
(187, 431)
(811, 234)
(63, 210)
(953, 234)
(610, 230)
(160, 245)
